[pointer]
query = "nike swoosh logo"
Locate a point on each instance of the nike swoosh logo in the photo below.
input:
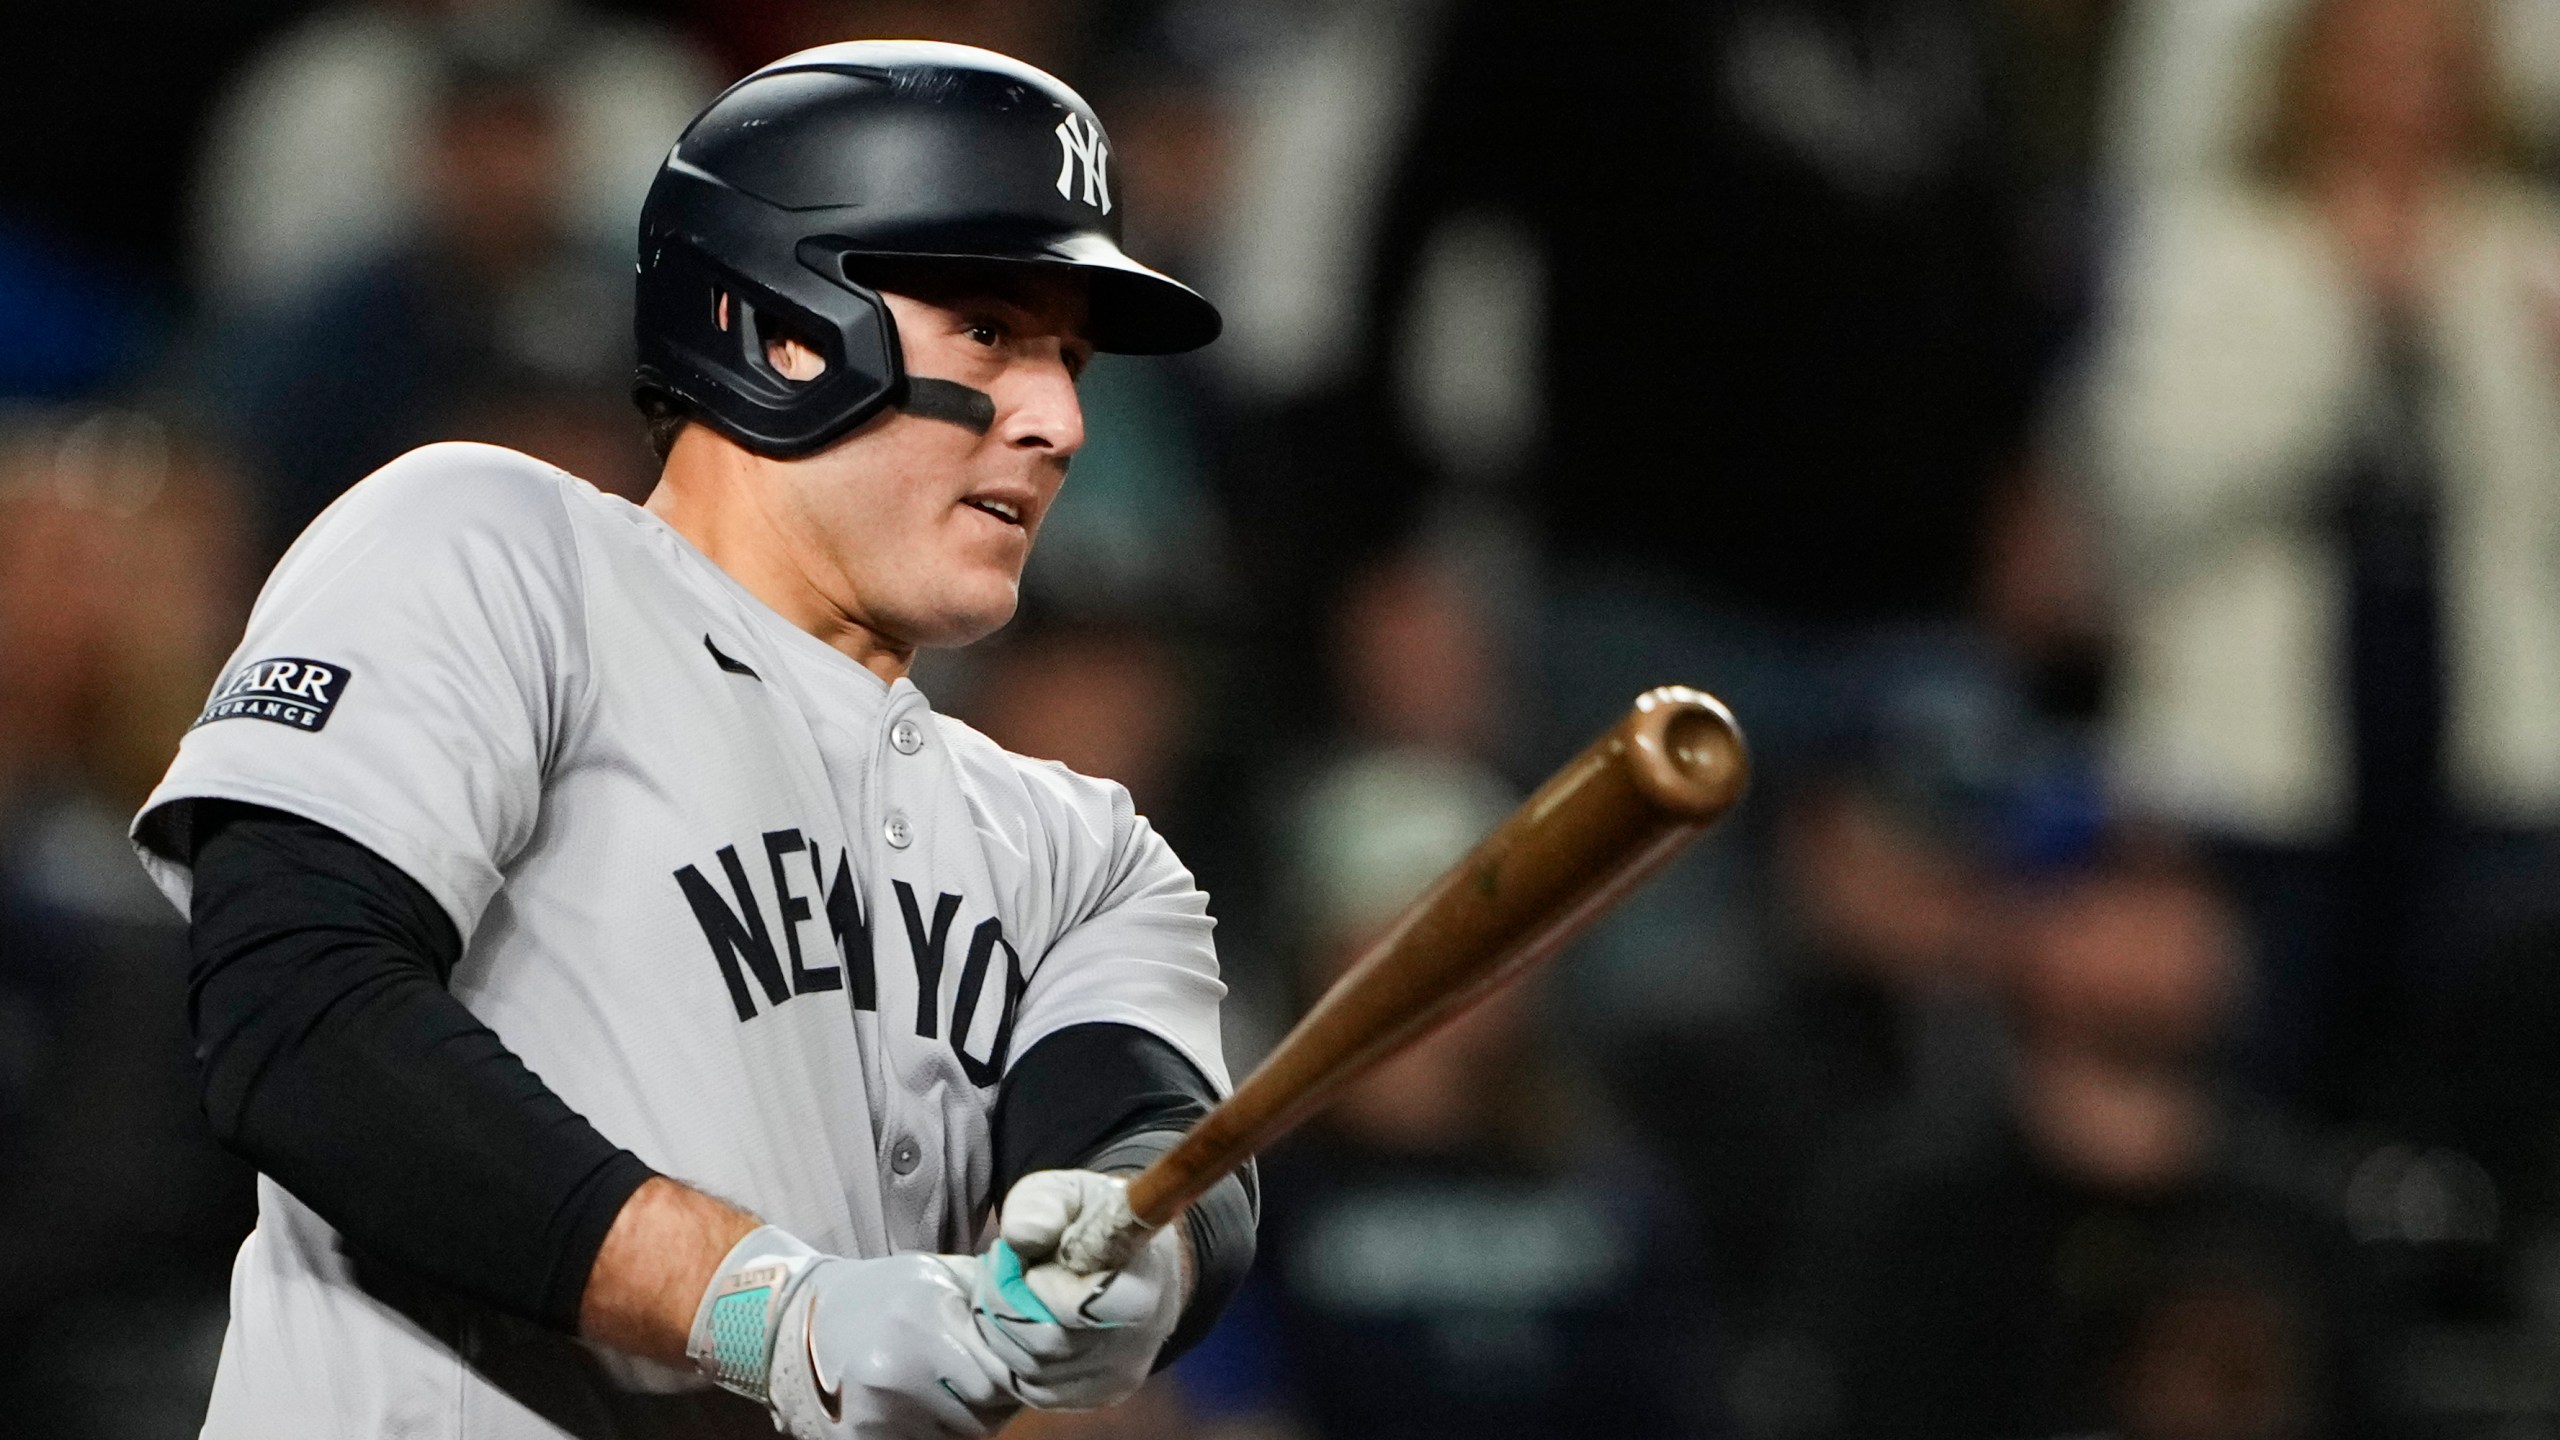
(730, 663)
(830, 1397)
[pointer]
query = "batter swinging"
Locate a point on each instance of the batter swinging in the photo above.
(624, 981)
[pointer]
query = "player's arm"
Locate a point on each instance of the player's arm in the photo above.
(658, 1258)
(335, 1059)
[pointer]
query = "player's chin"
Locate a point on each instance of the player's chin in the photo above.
(972, 607)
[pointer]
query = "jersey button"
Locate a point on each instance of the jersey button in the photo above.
(908, 736)
(903, 1156)
(897, 831)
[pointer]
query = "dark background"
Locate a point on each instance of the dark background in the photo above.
(2106, 451)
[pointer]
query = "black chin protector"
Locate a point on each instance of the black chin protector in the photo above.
(966, 406)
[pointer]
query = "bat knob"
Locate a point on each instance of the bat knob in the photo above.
(1685, 752)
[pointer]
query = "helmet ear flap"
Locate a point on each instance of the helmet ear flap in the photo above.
(707, 335)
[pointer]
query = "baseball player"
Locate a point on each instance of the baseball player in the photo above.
(635, 997)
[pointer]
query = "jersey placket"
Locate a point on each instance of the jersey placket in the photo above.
(804, 706)
(909, 775)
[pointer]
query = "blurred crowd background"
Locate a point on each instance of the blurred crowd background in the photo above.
(2106, 451)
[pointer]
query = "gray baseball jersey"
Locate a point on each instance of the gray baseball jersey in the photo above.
(764, 918)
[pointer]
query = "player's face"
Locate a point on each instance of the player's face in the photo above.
(921, 526)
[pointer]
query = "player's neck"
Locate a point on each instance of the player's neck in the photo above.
(702, 497)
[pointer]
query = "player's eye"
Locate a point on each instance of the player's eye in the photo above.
(986, 332)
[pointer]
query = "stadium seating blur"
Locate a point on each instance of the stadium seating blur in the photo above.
(2106, 451)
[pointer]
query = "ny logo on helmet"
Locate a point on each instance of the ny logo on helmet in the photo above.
(1080, 142)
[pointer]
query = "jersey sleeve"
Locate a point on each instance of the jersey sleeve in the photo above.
(405, 679)
(1133, 946)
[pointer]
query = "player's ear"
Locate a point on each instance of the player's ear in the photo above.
(790, 357)
(793, 360)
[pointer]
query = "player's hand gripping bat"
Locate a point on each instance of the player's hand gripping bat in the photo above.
(1587, 838)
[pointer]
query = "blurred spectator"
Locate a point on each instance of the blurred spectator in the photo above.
(2049, 68)
(2326, 426)
(1417, 661)
(310, 163)
(490, 310)
(1724, 302)
(2115, 1249)
(1323, 106)
(2188, 89)
(1418, 683)
(122, 583)
(1145, 531)
(1887, 1006)
(1141, 529)
(1811, 278)
(1107, 700)
(1461, 1245)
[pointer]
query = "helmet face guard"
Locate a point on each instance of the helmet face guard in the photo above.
(870, 149)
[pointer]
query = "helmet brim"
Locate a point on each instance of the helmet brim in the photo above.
(1132, 309)
(1139, 311)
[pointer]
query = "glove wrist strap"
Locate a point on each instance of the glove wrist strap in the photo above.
(741, 1309)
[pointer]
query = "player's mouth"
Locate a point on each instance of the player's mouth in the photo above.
(1005, 508)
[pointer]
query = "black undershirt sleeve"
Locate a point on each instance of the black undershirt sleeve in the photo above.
(333, 1058)
(1112, 1098)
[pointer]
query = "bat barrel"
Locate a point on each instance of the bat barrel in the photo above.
(1596, 829)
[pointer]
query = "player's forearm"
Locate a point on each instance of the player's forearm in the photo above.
(657, 1260)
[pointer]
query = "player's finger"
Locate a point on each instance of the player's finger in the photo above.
(1065, 1375)
(972, 1371)
(945, 1417)
(959, 1403)
(1066, 1293)
(1054, 1397)
(1038, 1210)
(1099, 1301)
(1023, 1344)
(969, 1382)
(1015, 1357)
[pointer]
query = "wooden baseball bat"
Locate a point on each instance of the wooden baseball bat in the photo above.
(1588, 837)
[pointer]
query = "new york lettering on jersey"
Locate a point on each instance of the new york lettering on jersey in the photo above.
(742, 942)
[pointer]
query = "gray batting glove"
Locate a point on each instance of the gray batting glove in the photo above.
(841, 1349)
(1076, 1330)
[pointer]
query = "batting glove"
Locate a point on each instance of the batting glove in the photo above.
(1076, 1332)
(845, 1349)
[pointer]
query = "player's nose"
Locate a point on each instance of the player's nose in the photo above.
(1045, 414)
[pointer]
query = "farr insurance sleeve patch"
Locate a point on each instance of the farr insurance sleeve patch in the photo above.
(289, 691)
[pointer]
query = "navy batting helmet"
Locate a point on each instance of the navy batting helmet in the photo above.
(764, 212)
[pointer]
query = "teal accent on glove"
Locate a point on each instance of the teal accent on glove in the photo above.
(740, 1337)
(1010, 1285)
